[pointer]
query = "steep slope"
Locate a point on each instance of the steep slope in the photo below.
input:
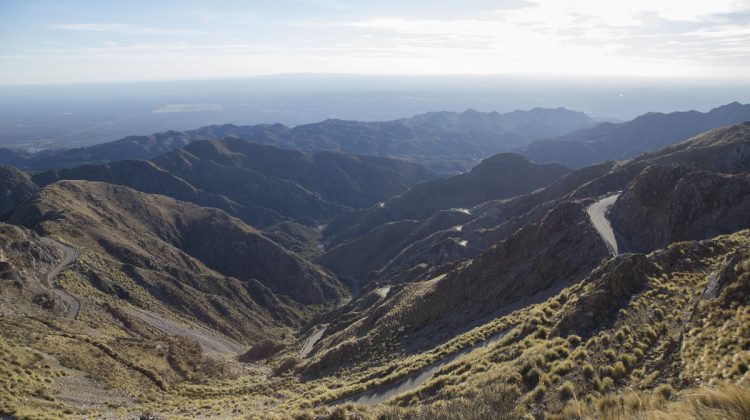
(536, 261)
(147, 177)
(15, 188)
(681, 204)
(132, 341)
(355, 181)
(262, 185)
(357, 248)
(154, 231)
(360, 257)
(698, 198)
(282, 198)
(538, 320)
(498, 177)
(626, 140)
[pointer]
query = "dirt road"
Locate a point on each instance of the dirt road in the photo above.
(72, 304)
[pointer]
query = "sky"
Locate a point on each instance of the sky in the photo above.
(67, 41)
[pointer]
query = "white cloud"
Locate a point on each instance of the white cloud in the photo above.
(635, 37)
(121, 28)
(639, 37)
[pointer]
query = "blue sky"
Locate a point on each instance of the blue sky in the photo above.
(95, 41)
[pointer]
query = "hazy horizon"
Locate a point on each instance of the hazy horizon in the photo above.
(84, 73)
(63, 116)
(45, 41)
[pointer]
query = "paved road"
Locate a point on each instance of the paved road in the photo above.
(597, 213)
(72, 304)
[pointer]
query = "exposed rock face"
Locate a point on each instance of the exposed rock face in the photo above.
(607, 289)
(678, 203)
(24, 261)
(725, 277)
(15, 188)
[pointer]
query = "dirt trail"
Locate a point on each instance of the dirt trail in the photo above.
(76, 389)
(311, 340)
(411, 382)
(72, 304)
(212, 342)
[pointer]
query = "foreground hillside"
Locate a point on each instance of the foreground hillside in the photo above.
(620, 290)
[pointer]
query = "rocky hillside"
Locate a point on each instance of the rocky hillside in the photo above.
(501, 176)
(489, 294)
(262, 185)
(15, 188)
(698, 196)
(452, 297)
(152, 231)
(354, 181)
(371, 246)
(680, 204)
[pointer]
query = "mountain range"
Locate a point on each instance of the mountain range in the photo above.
(323, 271)
(609, 141)
(442, 141)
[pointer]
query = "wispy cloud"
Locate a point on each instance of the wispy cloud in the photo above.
(122, 29)
(635, 37)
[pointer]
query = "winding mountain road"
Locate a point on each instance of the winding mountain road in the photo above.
(72, 304)
(598, 214)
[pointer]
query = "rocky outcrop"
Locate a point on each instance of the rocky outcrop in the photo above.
(606, 289)
(680, 203)
(25, 261)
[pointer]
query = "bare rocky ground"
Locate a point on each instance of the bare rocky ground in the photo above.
(76, 389)
(212, 343)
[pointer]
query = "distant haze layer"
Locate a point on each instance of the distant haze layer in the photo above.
(64, 116)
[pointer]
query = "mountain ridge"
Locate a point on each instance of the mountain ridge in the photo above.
(626, 140)
(447, 147)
